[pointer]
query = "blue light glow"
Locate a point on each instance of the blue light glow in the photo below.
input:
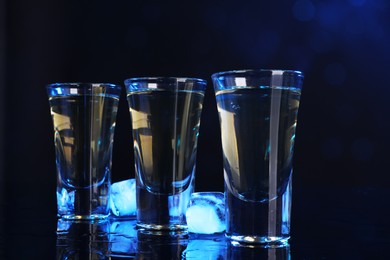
(357, 2)
(321, 41)
(304, 10)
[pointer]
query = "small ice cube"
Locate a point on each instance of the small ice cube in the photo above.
(65, 200)
(178, 203)
(206, 213)
(122, 199)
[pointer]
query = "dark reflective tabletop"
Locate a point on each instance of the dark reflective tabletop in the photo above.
(326, 224)
(120, 239)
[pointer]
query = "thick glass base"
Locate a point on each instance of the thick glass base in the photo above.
(264, 241)
(84, 217)
(169, 227)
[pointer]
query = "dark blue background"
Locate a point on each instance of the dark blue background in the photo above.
(342, 46)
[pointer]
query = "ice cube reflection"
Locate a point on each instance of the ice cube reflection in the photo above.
(96, 239)
(113, 238)
(206, 247)
(123, 238)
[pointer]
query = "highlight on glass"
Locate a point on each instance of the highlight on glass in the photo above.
(258, 116)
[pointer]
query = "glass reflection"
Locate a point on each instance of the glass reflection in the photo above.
(82, 239)
(239, 251)
(161, 245)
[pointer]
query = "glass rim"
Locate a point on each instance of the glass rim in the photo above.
(81, 85)
(253, 71)
(164, 79)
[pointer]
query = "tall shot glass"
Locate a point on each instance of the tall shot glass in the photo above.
(258, 115)
(84, 116)
(165, 115)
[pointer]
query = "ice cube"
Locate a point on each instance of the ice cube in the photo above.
(122, 199)
(65, 200)
(206, 213)
(178, 203)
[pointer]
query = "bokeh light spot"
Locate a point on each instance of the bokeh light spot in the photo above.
(331, 15)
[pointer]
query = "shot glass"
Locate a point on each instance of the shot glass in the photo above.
(258, 116)
(84, 116)
(165, 115)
